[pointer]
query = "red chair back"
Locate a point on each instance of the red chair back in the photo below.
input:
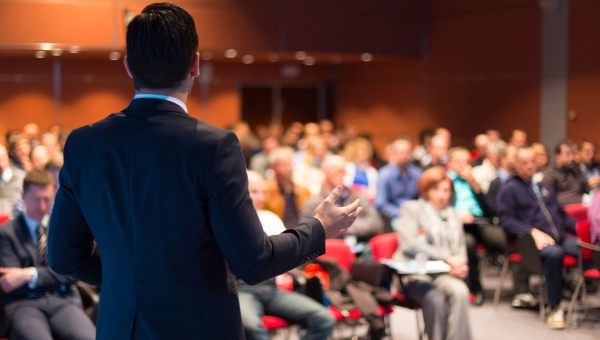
(579, 212)
(338, 250)
(384, 246)
(583, 232)
(4, 218)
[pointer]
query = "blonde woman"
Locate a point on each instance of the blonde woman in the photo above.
(360, 177)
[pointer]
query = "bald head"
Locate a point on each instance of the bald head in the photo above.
(256, 189)
(334, 169)
(402, 149)
(525, 163)
(481, 144)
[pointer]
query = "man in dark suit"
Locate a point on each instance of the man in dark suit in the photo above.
(39, 303)
(153, 204)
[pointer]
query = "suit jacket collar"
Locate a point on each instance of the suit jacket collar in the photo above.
(146, 107)
(24, 236)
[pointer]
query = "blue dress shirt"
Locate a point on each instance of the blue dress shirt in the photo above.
(394, 187)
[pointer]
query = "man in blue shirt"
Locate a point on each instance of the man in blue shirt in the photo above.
(398, 181)
(471, 206)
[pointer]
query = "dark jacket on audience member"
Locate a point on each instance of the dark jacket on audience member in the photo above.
(165, 197)
(519, 210)
(569, 184)
(492, 195)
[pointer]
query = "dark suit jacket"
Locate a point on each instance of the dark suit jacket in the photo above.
(17, 250)
(165, 198)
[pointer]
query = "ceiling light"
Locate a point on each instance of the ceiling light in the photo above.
(231, 53)
(74, 49)
(273, 57)
(247, 59)
(40, 54)
(206, 55)
(57, 52)
(301, 55)
(366, 57)
(46, 46)
(114, 55)
(309, 61)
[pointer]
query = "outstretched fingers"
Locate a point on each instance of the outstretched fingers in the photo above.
(334, 195)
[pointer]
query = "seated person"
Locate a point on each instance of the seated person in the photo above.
(487, 171)
(38, 303)
(444, 298)
(307, 172)
(397, 181)
(11, 183)
(527, 207)
(482, 143)
(471, 206)
(283, 196)
(360, 177)
(506, 169)
(266, 299)
(566, 179)
(368, 223)
(588, 165)
(437, 153)
(259, 162)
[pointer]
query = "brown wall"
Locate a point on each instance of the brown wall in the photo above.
(584, 73)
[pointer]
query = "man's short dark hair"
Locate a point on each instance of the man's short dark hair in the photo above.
(39, 178)
(558, 146)
(586, 141)
(161, 43)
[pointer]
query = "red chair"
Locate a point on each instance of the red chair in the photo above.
(383, 246)
(4, 218)
(273, 324)
(339, 251)
(586, 255)
(579, 212)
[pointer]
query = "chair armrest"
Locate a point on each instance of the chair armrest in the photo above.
(587, 245)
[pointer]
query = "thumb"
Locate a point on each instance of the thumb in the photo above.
(334, 195)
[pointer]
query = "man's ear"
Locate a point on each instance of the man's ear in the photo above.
(126, 63)
(195, 65)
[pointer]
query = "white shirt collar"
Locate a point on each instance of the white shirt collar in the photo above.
(7, 175)
(162, 97)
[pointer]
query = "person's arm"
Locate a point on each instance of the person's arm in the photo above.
(383, 197)
(507, 213)
(253, 256)
(408, 229)
(491, 196)
(71, 247)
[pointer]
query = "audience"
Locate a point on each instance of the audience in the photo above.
(444, 298)
(588, 165)
(397, 181)
(422, 149)
(39, 157)
(11, 183)
(259, 162)
(487, 171)
(32, 132)
(361, 177)
(368, 223)
(518, 138)
(307, 172)
(541, 158)
(474, 213)
(19, 150)
(283, 197)
(526, 207)
(482, 143)
(506, 169)
(437, 153)
(50, 141)
(566, 178)
(39, 304)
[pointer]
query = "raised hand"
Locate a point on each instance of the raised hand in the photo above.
(336, 219)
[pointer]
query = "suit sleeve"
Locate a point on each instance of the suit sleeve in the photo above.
(71, 247)
(252, 255)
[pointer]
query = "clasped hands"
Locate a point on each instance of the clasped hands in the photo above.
(14, 278)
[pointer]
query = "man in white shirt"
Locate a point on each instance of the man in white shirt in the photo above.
(265, 298)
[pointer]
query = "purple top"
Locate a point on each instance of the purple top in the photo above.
(594, 218)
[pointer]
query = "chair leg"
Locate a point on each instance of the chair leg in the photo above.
(500, 283)
(584, 294)
(419, 331)
(542, 298)
(573, 300)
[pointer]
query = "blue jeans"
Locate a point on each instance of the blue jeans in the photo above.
(552, 262)
(266, 299)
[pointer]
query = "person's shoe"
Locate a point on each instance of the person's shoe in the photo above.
(476, 299)
(524, 300)
(556, 319)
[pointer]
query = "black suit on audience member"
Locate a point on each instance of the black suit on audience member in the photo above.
(165, 197)
(55, 296)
